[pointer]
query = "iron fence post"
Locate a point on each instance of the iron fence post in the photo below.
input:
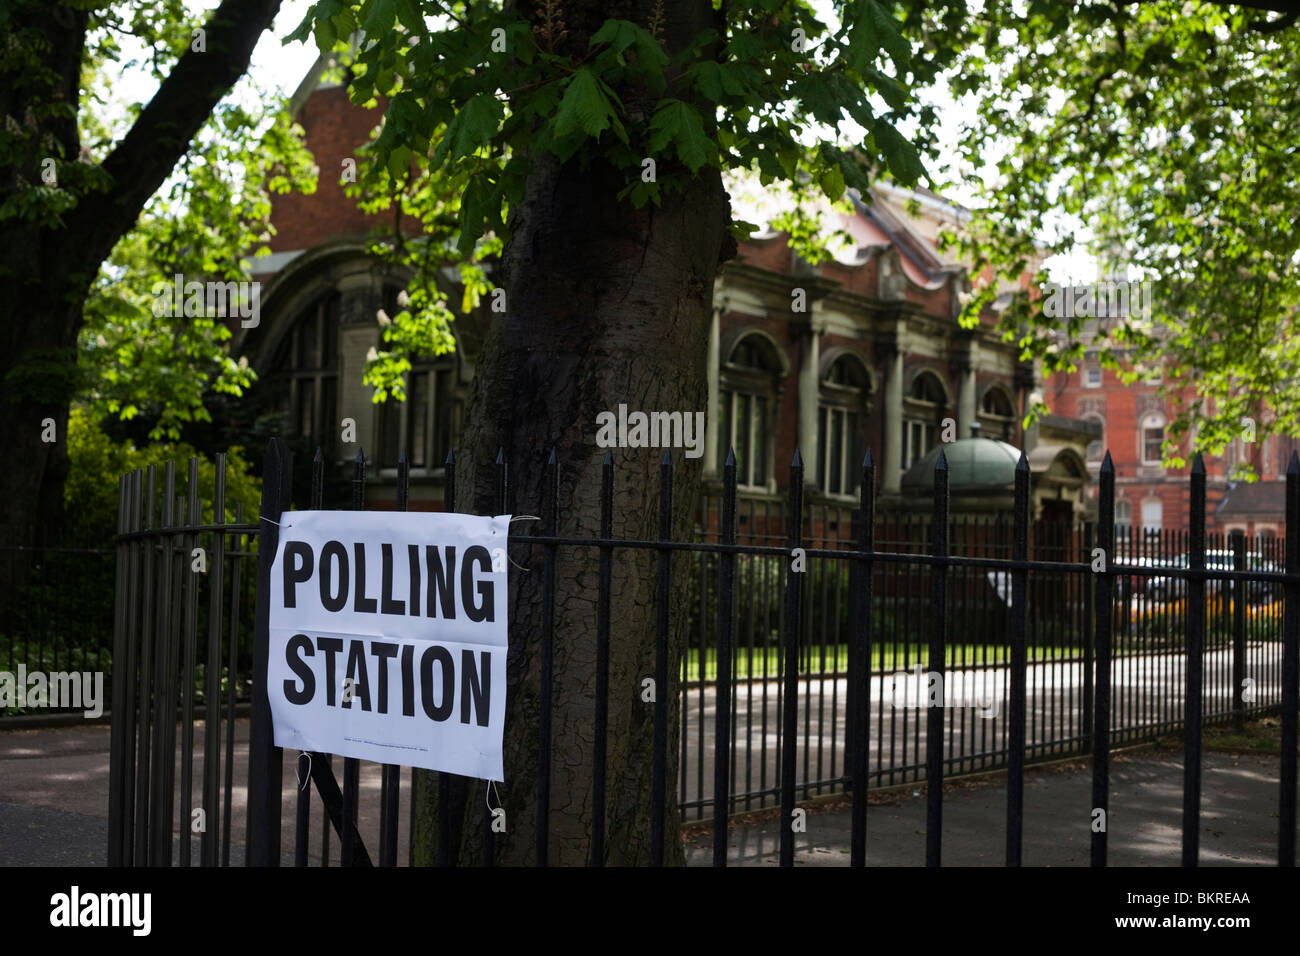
(935, 723)
(1239, 598)
(1103, 590)
(722, 701)
(1193, 695)
(860, 663)
(265, 760)
(1290, 671)
(790, 640)
(1019, 667)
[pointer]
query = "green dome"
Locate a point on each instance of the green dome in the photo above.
(975, 465)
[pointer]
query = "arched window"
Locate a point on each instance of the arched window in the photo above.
(424, 425)
(1153, 511)
(844, 391)
(1097, 447)
(997, 413)
(926, 387)
(926, 402)
(1123, 513)
(304, 375)
(748, 393)
(1153, 436)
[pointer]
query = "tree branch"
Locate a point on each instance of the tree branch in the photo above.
(144, 158)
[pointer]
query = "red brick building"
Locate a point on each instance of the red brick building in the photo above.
(861, 351)
(1149, 496)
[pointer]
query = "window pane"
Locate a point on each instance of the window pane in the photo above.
(821, 444)
(392, 432)
(308, 329)
(418, 416)
(1123, 513)
(837, 451)
(329, 413)
(853, 450)
(742, 439)
(330, 336)
(760, 440)
(444, 408)
(1154, 438)
(306, 392)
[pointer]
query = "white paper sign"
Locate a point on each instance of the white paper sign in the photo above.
(388, 638)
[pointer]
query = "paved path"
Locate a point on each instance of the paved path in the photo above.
(1238, 820)
(1146, 690)
(54, 799)
(1238, 823)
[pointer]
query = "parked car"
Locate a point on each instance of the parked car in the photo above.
(1257, 592)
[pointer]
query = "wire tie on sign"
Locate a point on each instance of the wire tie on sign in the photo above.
(487, 796)
(512, 521)
(307, 778)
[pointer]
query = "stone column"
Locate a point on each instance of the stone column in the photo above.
(891, 466)
(358, 334)
(711, 422)
(809, 395)
(966, 399)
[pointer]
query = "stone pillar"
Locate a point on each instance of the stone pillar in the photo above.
(891, 467)
(711, 422)
(359, 304)
(966, 410)
(809, 395)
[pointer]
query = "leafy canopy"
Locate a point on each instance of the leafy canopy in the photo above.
(205, 222)
(475, 94)
(1167, 129)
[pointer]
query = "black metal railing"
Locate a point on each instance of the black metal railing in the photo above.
(56, 617)
(1082, 636)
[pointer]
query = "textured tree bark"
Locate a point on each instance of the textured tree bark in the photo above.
(606, 305)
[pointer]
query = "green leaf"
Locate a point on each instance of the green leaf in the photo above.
(399, 162)
(584, 107)
(380, 18)
(885, 33)
(708, 79)
(471, 128)
(471, 217)
(904, 161)
(408, 12)
(621, 34)
(679, 123)
(300, 32)
(832, 183)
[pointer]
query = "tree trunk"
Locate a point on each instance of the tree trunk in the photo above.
(605, 305)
